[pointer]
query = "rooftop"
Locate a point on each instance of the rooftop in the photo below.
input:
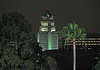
(47, 15)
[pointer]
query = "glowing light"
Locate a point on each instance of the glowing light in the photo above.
(51, 18)
(44, 29)
(44, 18)
(89, 48)
(44, 24)
(38, 37)
(49, 41)
(53, 29)
(52, 24)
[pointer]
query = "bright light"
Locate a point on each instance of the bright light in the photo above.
(44, 24)
(44, 29)
(53, 29)
(52, 24)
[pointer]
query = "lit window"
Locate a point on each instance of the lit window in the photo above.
(44, 18)
(44, 24)
(52, 24)
(44, 29)
(53, 29)
(89, 48)
(51, 18)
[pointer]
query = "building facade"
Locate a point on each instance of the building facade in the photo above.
(90, 44)
(47, 35)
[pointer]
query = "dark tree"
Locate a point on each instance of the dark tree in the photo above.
(97, 66)
(18, 47)
(17, 43)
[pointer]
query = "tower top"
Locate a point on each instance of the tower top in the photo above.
(47, 15)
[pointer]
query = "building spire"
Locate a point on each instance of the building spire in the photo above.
(47, 15)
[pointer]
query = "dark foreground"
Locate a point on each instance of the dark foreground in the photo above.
(64, 58)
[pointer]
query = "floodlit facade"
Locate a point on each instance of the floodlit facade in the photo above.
(47, 35)
(86, 43)
(92, 39)
(89, 44)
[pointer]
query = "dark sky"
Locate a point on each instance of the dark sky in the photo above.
(86, 13)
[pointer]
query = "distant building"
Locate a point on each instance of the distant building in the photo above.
(88, 51)
(47, 35)
(89, 44)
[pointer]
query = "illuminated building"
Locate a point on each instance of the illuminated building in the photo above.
(86, 43)
(47, 36)
(89, 44)
(88, 51)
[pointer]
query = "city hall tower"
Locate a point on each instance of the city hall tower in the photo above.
(47, 35)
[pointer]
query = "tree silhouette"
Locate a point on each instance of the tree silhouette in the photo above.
(17, 42)
(19, 49)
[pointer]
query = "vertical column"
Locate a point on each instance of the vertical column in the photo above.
(49, 39)
(74, 56)
(38, 37)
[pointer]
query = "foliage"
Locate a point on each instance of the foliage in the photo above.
(18, 47)
(16, 41)
(97, 66)
(9, 57)
(47, 63)
(72, 32)
(51, 63)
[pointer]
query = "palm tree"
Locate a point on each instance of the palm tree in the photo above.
(73, 32)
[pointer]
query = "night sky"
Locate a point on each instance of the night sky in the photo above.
(86, 13)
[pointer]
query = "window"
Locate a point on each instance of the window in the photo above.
(52, 23)
(53, 29)
(44, 29)
(44, 24)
